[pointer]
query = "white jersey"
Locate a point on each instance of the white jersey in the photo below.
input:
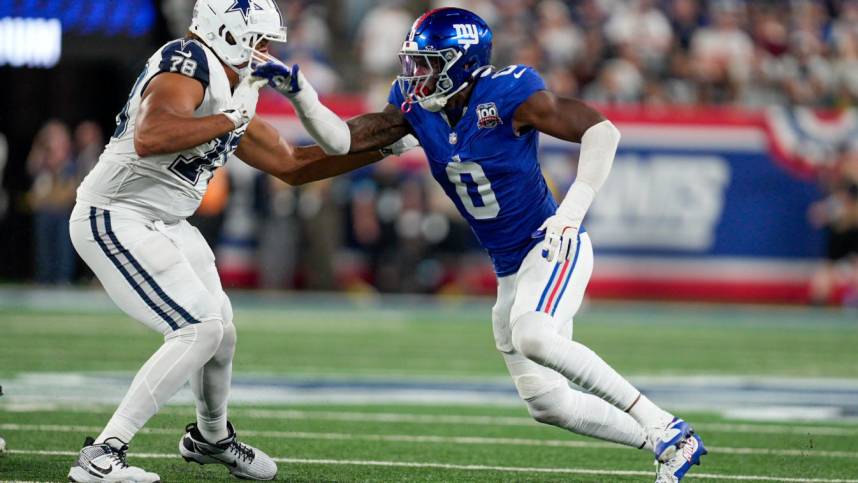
(169, 186)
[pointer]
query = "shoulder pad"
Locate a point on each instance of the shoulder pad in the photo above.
(186, 57)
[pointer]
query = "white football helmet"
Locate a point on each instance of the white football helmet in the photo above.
(234, 28)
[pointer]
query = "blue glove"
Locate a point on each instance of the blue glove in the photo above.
(281, 77)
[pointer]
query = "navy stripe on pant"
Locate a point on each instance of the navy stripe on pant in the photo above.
(138, 287)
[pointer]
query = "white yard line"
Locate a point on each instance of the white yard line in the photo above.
(521, 421)
(424, 439)
(390, 417)
(508, 469)
(471, 420)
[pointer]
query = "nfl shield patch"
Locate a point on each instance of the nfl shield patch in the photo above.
(487, 116)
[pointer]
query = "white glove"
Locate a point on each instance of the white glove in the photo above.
(244, 99)
(405, 144)
(598, 147)
(561, 237)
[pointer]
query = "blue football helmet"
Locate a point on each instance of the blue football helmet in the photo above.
(440, 55)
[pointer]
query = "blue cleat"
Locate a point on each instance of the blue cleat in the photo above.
(665, 444)
(674, 469)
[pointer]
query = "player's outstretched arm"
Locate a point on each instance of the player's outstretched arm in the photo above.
(571, 120)
(325, 127)
(377, 130)
(263, 148)
(166, 122)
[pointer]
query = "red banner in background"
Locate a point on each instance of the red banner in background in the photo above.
(703, 204)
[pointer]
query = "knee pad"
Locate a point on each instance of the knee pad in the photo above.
(531, 386)
(204, 337)
(554, 407)
(533, 335)
(531, 379)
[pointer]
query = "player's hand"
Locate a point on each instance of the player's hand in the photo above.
(244, 100)
(286, 80)
(561, 238)
(405, 144)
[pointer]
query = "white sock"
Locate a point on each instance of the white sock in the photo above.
(534, 336)
(588, 415)
(183, 353)
(210, 386)
(649, 415)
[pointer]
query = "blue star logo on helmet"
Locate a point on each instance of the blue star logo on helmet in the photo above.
(244, 7)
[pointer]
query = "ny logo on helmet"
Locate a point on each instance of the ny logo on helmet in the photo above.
(467, 34)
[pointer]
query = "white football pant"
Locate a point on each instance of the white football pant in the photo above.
(532, 323)
(164, 276)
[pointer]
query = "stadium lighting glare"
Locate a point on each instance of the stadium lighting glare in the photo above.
(30, 42)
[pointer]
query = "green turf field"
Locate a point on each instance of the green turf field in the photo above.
(405, 340)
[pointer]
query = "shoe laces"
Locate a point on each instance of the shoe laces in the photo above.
(118, 456)
(242, 451)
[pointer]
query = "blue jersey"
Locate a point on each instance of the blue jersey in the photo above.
(491, 173)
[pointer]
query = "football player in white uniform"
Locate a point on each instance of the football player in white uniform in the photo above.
(191, 109)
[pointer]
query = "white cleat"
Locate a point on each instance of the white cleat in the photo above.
(689, 454)
(243, 461)
(103, 463)
(2, 446)
(667, 441)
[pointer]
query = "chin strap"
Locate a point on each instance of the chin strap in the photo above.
(408, 103)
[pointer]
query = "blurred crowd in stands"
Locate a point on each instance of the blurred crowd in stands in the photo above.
(391, 228)
(656, 52)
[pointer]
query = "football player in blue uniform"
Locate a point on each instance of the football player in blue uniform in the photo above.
(479, 127)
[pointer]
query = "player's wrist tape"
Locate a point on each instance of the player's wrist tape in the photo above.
(237, 118)
(577, 202)
(305, 99)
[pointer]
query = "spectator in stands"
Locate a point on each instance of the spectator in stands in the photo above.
(279, 232)
(51, 198)
(640, 26)
(620, 80)
(809, 78)
(379, 37)
(88, 145)
(770, 32)
(838, 214)
(723, 54)
(685, 19)
(845, 64)
(320, 211)
(560, 39)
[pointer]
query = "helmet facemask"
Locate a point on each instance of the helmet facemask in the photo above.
(425, 77)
